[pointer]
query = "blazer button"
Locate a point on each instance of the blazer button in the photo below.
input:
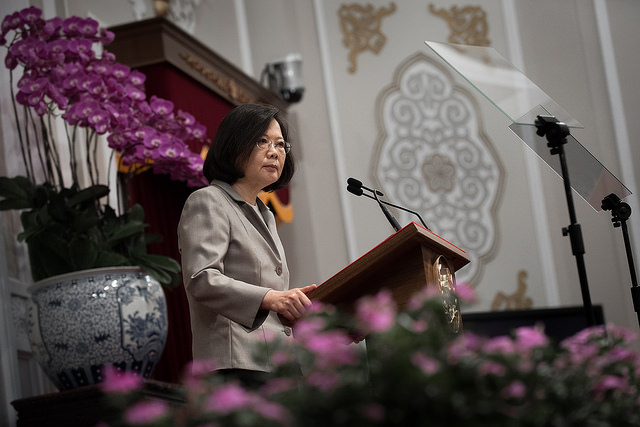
(287, 331)
(279, 270)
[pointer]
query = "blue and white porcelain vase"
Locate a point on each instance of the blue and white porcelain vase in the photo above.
(79, 322)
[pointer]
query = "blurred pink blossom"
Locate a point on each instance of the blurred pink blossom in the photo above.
(427, 364)
(464, 346)
(332, 349)
(376, 313)
(271, 410)
(500, 344)
(419, 326)
(528, 338)
(515, 389)
(115, 381)
(278, 385)
(146, 412)
(325, 381)
(373, 411)
(492, 368)
(466, 292)
(419, 298)
(228, 398)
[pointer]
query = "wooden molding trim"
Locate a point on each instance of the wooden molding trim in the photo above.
(156, 40)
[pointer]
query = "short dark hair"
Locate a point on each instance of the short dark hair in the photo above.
(236, 138)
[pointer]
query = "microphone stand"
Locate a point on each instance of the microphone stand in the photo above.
(556, 133)
(391, 218)
(358, 192)
(620, 212)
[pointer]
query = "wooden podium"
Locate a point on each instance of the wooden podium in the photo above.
(404, 263)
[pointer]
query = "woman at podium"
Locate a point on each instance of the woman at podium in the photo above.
(233, 264)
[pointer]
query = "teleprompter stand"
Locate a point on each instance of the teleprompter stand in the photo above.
(534, 116)
(620, 213)
(556, 133)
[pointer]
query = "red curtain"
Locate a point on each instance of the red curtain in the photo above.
(163, 199)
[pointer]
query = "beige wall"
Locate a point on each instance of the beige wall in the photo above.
(336, 130)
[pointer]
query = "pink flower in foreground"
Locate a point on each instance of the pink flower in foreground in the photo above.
(146, 412)
(516, 390)
(610, 382)
(492, 368)
(280, 358)
(419, 326)
(464, 346)
(528, 338)
(273, 411)
(418, 299)
(466, 292)
(228, 398)
(325, 381)
(427, 364)
(331, 348)
(308, 327)
(501, 344)
(373, 411)
(278, 385)
(376, 313)
(115, 381)
(195, 371)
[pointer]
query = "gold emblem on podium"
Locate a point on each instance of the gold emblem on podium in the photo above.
(446, 281)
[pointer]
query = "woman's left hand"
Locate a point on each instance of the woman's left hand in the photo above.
(291, 304)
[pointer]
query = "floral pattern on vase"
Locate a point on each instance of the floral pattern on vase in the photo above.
(79, 322)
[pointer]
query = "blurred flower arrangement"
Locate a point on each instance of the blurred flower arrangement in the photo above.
(414, 372)
(71, 96)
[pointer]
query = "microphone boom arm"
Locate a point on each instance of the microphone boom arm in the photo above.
(399, 207)
(355, 187)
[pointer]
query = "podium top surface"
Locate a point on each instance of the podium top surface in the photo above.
(409, 236)
(522, 101)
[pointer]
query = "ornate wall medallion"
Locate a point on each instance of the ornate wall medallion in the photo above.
(361, 31)
(433, 157)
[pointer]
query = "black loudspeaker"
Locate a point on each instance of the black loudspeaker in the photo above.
(559, 323)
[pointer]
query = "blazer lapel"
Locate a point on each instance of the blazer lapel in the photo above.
(252, 217)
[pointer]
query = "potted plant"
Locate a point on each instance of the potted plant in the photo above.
(76, 109)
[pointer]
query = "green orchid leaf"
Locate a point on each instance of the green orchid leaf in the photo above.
(125, 231)
(17, 187)
(83, 252)
(92, 193)
(14, 204)
(107, 258)
(136, 213)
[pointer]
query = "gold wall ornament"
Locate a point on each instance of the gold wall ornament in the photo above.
(468, 24)
(227, 85)
(360, 25)
(515, 301)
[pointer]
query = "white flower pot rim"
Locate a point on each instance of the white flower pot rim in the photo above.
(62, 277)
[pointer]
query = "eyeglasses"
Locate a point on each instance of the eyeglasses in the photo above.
(280, 146)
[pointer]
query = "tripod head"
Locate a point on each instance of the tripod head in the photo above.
(555, 131)
(620, 211)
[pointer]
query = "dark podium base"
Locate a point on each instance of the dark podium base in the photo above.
(559, 323)
(84, 406)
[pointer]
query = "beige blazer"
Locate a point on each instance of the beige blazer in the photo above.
(230, 259)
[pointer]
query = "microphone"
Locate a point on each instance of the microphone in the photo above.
(355, 187)
(355, 184)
